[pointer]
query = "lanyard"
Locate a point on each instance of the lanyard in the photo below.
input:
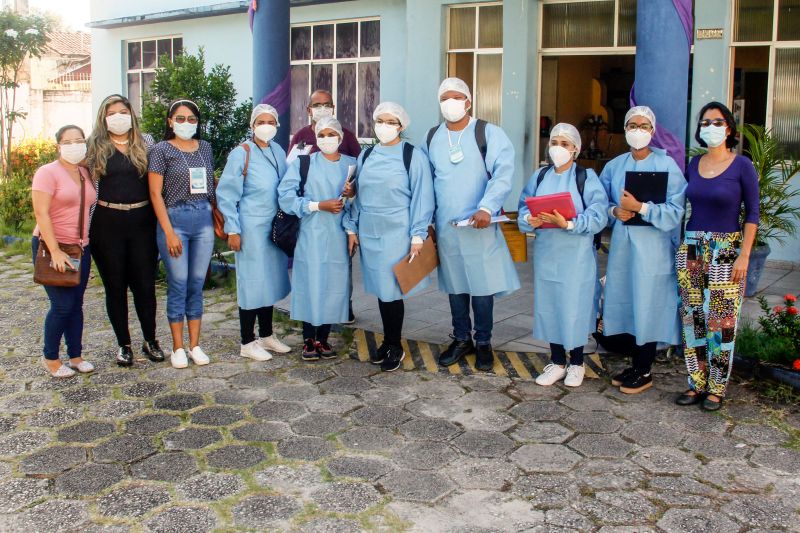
(191, 153)
(273, 165)
(450, 141)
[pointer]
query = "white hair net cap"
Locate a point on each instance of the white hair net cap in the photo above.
(260, 109)
(391, 108)
(641, 111)
(329, 123)
(455, 84)
(562, 129)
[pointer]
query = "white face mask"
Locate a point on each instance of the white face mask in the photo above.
(453, 110)
(386, 133)
(714, 136)
(638, 139)
(265, 132)
(328, 145)
(119, 123)
(318, 113)
(184, 130)
(73, 153)
(559, 155)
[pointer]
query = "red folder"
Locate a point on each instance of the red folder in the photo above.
(561, 202)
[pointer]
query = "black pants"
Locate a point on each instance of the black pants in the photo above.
(124, 250)
(317, 333)
(642, 355)
(559, 355)
(392, 314)
(247, 323)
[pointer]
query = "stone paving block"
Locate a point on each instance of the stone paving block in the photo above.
(652, 434)
(483, 444)
(545, 458)
(547, 491)
(424, 455)
(89, 479)
(191, 438)
(262, 432)
(222, 370)
(783, 460)
(344, 385)
(311, 375)
(217, 416)
(255, 380)
(211, 487)
(487, 400)
(597, 422)
(167, 374)
(112, 378)
(302, 478)
(480, 419)
(329, 525)
(416, 486)
(370, 439)
(171, 466)
(348, 498)
(87, 431)
(178, 402)
(761, 511)
(696, 421)
(485, 382)
(568, 519)
(759, 434)
(716, 447)
(9, 424)
(52, 516)
(736, 476)
(151, 424)
(542, 432)
(387, 396)
(631, 502)
(182, 520)
(603, 513)
(91, 527)
(336, 404)
(278, 411)
(587, 401)
(289, 392)
(696, 521)
(663, 460)
(306, 448)
(444, 390)
(318, 425)
(22, 442)
(202, 385)
(144, 389)
(116, 409)
(50, 418)
(610, 474)
(265, 511)
(52, 461)
(235, 457)
(489, 474)
(359, 466)
(84, 395)
(539, 410)
(16, 493)
(600, 445)
(132, 501)
(125, 448)
(240, 396)
(350, 368)
(381, 416)
(429, 429)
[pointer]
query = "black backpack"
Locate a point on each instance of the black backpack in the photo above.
(285, 227)
(408, 153)
(480, 138)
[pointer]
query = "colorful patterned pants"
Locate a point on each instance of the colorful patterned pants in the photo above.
(709, 306)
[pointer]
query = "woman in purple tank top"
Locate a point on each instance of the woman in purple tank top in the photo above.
(712, 260)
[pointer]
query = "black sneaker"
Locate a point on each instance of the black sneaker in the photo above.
(394, 359)
(484, 357)
(620, 378)
(455, 352)
(153, 351)
(125, 356)
(325, 351)
(380, 354)
(636, 383)
(310, 352)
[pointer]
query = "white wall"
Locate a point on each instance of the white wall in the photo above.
(111, 9)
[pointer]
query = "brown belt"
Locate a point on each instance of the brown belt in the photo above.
(123, 207)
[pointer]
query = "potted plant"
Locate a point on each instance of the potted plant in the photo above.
(778, 206)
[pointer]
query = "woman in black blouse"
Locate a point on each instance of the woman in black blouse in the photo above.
(123, 229)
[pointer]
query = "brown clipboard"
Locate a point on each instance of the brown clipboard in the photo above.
(409, 275)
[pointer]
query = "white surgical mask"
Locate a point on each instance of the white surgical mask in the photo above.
(318, 113)
(184, 130)
(119, 123)
(265, 132)
(453, 110)
(638, 139)
(386, 133)
(73, 153)
(328, 145)
(713, 136)
(559, 155)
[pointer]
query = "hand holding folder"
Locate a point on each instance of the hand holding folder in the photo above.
(646, 187)
(411, 271)
(561, 202)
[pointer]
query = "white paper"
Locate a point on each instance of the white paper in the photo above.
(297, 151)
(466, 222)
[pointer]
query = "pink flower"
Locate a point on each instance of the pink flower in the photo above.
(777, 309)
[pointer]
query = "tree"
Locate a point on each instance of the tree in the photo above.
(21, 36)
(225, 123)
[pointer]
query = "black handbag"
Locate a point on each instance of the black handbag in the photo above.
(285, 227)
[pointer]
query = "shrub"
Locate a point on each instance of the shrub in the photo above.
(753, 343)
(29, 154)
(15, 201)
(782, 321)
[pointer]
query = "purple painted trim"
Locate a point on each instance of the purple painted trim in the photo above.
(281, 96)
(665, 139)
(251, 14)
(684, 9)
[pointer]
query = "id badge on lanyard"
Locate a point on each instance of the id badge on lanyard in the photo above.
(197, 180)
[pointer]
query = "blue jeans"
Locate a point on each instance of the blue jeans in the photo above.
(186, 273)
(65, 317)
(482, 308)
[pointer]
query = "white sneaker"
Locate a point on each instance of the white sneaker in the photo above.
(178, 358)
(575, 375)
(198, 356)
(255, 352)
(274, 343)
(551, 374)
(83, 367)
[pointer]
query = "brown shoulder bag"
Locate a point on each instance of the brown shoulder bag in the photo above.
(216, 214)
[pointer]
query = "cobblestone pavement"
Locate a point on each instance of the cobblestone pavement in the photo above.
(339, 447)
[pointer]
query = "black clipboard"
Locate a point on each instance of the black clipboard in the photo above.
(646, 187)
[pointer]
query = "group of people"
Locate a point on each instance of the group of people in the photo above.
(147, 199)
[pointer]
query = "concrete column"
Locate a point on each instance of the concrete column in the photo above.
(271, 78)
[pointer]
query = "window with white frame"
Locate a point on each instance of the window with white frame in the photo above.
(588, 23)
(475, 54)
(143, 59)
(343, 57)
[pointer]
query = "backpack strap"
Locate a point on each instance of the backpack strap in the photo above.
(580, 179)
(480, 138)
(431, 133)
(246, 159)
(305, 165)
(542, 172)
(408, 154)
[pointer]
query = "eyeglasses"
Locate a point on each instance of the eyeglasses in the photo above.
(394, 123)
(715, 122)
(633, 127)
(180, 119)
(76, 141)
(327, 105)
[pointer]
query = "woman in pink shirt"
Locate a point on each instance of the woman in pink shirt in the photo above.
(56, 204)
